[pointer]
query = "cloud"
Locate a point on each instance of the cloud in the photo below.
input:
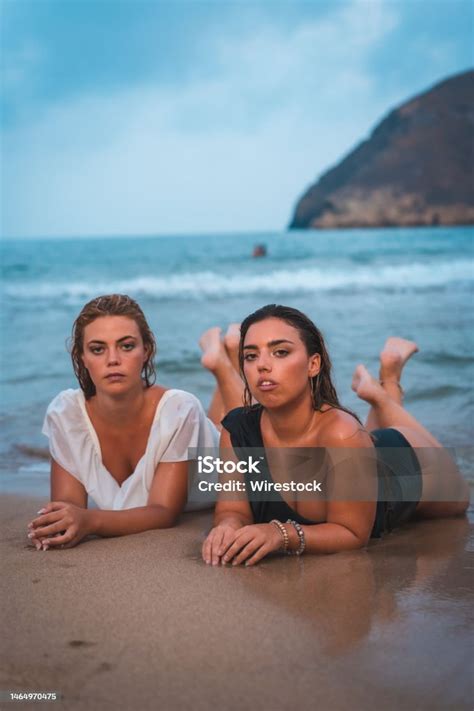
(231, 151)
(275, 67)
(18, 67)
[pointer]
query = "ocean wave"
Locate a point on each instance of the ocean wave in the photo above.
(445, 358)
(30, 378)
(33, 452)
(36, 468)
(434, 393)
(464, 456)
(184, 363)
(210, 284)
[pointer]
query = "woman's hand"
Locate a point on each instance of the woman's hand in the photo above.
(60, 525)
(251, 544)
(218, 541)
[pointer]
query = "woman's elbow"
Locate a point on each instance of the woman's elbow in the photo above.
(357, 543)
(164, 518)
(363, 542)
(359, 540)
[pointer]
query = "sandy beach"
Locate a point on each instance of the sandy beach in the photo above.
(140, 622)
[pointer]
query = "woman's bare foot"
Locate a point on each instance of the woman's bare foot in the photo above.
(231, 343)
(366, 386)
(393, 357)
(213, 352)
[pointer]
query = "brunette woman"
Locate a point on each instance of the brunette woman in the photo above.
(287, 371)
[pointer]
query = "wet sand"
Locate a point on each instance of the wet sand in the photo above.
(140, 622)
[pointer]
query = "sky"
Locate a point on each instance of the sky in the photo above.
(136, 117)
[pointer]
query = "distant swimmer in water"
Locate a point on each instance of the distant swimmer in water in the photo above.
(260, 250)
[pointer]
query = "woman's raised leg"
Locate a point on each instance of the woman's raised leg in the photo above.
(231, 343)
(393, 357)
(445, 492)
(229, 389)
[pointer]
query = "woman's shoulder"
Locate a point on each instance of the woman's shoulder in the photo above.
(180, 424)
(340, 428)
(242, 417)
(181, 399)
(64, 415)
(178, 408)
(65, 402)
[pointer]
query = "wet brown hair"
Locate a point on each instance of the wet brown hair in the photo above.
(110, 305)
(323, 391)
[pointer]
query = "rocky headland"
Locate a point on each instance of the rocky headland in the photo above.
(415, 169)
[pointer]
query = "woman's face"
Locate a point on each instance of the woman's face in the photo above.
(113, 353)
(276, 363)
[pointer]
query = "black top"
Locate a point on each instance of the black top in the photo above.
(243, 425)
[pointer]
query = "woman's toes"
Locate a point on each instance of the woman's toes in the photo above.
(232, 336)
(212, 347)
(365, 385)
(232, 342)
(394, 355)
(357, 376)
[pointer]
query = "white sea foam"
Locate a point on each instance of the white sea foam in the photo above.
(35, 468)
(209, 284)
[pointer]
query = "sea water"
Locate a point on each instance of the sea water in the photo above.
(359, 286)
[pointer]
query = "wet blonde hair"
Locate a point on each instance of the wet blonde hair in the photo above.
(110, 305)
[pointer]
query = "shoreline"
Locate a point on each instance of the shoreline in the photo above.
(141, 622)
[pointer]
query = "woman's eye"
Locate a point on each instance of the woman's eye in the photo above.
(96, 350)
(128, 346)
(281, 353)
(250, 356)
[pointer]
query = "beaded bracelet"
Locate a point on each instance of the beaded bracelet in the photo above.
(283, 533)
(300, 533)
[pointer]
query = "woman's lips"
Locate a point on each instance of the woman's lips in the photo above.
(266, 385)
(114, 377)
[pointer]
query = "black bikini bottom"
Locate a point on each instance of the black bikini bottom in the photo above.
(399, 480)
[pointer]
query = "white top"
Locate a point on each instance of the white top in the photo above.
(179, 422)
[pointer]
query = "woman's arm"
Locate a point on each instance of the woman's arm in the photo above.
(229, 516)
(348, 527)
(68, 516)
(166, 501)
(236, 513)
(349, 523)
(65, 486)
(352, 491)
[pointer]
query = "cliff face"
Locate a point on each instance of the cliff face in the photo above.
(415, 169)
